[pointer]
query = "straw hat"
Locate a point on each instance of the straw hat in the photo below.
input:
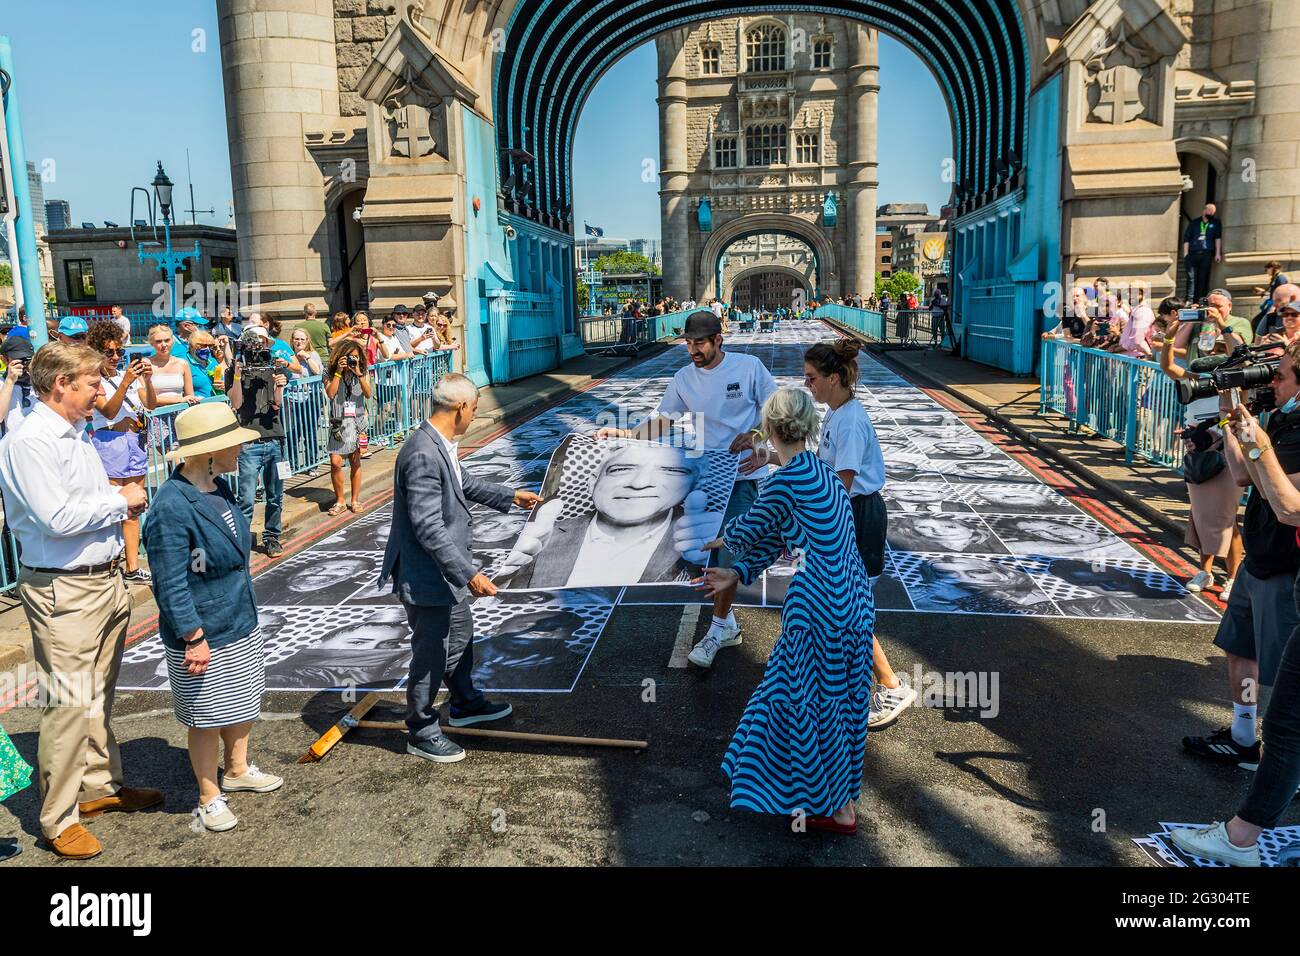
(206, 428)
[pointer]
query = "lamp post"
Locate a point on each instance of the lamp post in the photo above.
(168, 260)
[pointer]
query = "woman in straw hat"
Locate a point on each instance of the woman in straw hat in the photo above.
(198, 542)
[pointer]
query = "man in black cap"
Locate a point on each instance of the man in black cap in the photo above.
(402, 333)
(16, 395)
(722, 393)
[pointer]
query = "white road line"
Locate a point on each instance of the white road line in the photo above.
(685, 635)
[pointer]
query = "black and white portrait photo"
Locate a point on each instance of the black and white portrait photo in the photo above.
(1063, 536)
(1130, 589)
(971, 584)
(537, 641)
(367, 533)
(997, 469)
(1015, 499)
(958, 533)
(372, 653)
(621, 512)
(959, 449)
(320, 577)
(923, 497)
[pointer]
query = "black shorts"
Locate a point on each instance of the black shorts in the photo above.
(869, 522)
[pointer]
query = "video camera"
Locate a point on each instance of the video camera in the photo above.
(1244, 369)
(253, 351)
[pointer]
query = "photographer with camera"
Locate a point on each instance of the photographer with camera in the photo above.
(1214, 328)
(1273, 472)
(255, 382)
(1270, 319)
(347, 387)
(1213, 495)
(1261, 611)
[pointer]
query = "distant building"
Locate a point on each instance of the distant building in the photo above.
(99, 267)
(37, 188)
(58, 214)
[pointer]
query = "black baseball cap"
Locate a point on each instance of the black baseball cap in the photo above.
(702, 324)
(399, 310)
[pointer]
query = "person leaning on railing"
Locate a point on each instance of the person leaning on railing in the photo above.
(347, 389)
(1212, 529)
(118, 426)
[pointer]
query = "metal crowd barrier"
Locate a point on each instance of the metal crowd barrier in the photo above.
(1128, 400)
(868, 322)
(614, 334)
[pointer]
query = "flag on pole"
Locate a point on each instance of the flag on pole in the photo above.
(596, 231)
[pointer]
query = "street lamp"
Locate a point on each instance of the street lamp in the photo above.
(169, 261)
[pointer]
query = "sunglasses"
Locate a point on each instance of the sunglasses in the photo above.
(117, 353)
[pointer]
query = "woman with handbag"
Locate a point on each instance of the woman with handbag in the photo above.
(119, 426)
(207, 611)
(347, 390)
(1213, 529)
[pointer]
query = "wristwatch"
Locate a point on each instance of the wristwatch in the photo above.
(1254, 453)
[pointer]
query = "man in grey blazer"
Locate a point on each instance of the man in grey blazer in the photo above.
(429, 562)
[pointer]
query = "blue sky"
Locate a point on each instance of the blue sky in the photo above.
(97, 120)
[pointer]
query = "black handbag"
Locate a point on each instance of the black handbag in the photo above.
(1202, 466)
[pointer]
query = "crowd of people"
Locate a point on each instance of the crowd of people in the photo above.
(821, 501)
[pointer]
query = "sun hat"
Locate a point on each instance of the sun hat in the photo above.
(203, 429)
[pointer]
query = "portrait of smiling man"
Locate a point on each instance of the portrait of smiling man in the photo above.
(647, 522)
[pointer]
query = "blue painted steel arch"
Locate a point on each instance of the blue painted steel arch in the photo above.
(555, 50)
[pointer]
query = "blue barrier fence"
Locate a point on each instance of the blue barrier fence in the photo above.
(1128, 400)
(401, 398)
(866, 321)
(141, 321)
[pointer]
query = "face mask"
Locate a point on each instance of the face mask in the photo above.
(204, 354)
(1290, 405)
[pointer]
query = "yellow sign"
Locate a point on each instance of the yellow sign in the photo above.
(933, 248)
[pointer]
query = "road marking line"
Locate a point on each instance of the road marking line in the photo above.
(685, 636)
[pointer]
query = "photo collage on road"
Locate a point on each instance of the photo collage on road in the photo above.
(970, 532)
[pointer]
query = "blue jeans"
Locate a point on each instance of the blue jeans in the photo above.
(260, 457)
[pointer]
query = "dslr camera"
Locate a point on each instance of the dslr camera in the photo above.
(253, 351)
(1248, 368)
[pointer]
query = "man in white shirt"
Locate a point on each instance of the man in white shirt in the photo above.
(66, 519)
(722, 394)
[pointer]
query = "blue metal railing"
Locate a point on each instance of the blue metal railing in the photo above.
(866, 321)
(141, 321)
(1128, 400)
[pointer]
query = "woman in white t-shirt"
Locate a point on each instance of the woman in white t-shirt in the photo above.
(848, 444)
(118, 424)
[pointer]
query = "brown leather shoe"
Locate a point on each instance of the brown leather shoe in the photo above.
(126, 800)
(76, 843)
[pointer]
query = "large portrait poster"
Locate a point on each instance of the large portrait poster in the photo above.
(620, 512)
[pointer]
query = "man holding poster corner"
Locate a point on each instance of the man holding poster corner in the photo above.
(722, 394)
(429, 562)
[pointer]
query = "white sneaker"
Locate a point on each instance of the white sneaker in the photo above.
(887, 703)
(718, 636)
(1201, 581)
(1212, 843)
(1227, 589)
(252, 781)
(216, 815)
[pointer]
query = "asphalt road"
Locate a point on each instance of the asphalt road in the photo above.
(1081, 755)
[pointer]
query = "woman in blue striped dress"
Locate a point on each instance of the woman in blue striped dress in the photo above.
(801, 738)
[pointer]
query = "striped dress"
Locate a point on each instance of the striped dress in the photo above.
(801, 738)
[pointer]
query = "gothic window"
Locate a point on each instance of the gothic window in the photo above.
(765, 48)
(710, 59)
(806, 148)
(821, 54)
(724, 152)
(765, 145)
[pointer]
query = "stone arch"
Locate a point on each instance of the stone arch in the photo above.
(705, 269)
(729, 288)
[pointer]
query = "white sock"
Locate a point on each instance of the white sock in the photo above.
(728, 621)
(1243, 724)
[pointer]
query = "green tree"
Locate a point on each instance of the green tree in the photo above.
(899, 284)
(624, 262)
(6, 275)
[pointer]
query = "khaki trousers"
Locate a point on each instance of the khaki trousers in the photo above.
(78, 624)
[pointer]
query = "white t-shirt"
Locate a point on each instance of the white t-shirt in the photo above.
(124, 324)
(425, 346)
(390, 343)
(717, 309)
(724, 401)
(131, 406)
(848, 443)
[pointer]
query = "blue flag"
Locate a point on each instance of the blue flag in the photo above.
(594, 230)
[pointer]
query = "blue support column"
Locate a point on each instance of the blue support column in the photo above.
(29, 263)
